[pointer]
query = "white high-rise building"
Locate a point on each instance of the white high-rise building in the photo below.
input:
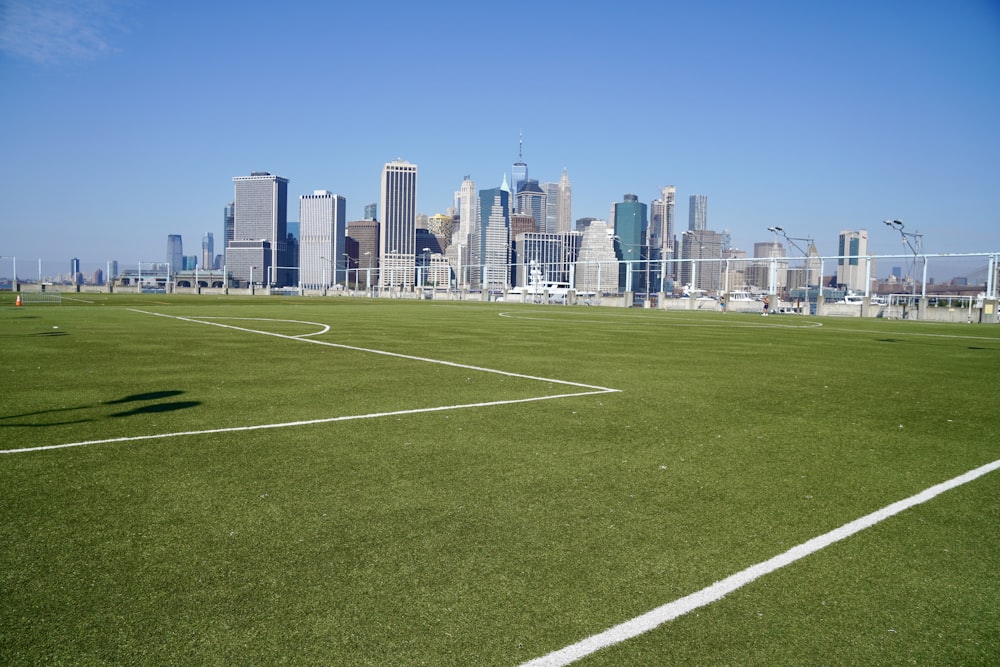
(852, 262)
(397, 241)
(661, 224)
(564, 206)
(323, 260)
(597, 267)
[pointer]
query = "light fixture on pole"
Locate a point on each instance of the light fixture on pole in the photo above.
(915, 246)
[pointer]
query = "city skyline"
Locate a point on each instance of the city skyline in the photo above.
(813, 118)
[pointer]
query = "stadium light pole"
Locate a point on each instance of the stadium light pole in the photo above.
(915, 247)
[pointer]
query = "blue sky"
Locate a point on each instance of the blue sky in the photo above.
(125, 120)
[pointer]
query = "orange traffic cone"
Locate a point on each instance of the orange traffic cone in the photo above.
(18, 302)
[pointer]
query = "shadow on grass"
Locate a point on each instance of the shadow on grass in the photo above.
(132, 398)
(150, 396)
(158, 407)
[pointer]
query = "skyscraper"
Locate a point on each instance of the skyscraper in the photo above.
(530, 199)
(491, 239)
(631, 247)
(208, 251)
(228, 224)
(564, 205)
(852, 263)
(661, 223)
(550, 224)
(260, 218)
(698, 213)
(519, 171)
(704, 249)
(175, 253)
(371, 211)
(323, 257)
(397, 238)
(364, 233)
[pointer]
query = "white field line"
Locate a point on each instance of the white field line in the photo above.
(382, 352)
(590, 390)
(305, 422)
(718, 590)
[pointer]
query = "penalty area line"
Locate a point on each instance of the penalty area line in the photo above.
(670, 611)
(305, 422)
(386, 353)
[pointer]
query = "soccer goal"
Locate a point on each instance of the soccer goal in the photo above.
(46, 297)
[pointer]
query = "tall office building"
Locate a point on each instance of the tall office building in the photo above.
(564, 205)
(371, 211)
(519, 171)
(364, 233)
(531, 200)
(397, 238)
(553, 254)
(661, 224)
(698, 213)
(260, 228)
(852, 261)
(466, 210)
(208, 251)
(598, 268)
(175, 253)
(701, 265)
(228, 224)
(550, 224)
(323, 257)
(631, 228)
(490, 241)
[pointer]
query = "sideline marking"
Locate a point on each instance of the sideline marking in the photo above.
(305, 422)
(668, 612)
(590, 389)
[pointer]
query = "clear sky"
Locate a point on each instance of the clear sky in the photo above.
(126, 120)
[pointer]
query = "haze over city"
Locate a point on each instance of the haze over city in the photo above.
(126, 122)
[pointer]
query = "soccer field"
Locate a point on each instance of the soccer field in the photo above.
(203, 480)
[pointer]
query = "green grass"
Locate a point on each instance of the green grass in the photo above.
(496, 534)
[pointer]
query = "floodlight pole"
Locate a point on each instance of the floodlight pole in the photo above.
(916, 248)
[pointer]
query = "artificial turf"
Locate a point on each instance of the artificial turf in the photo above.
(493, 534)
